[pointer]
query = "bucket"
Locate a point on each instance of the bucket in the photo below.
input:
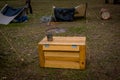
(49, 36)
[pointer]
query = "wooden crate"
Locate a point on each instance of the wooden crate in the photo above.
(63, 52)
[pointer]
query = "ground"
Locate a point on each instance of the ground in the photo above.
(19, 42)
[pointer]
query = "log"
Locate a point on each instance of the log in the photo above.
(105, 14)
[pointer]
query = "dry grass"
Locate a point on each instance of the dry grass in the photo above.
(19, 41)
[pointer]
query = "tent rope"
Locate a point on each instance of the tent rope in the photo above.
(8, 41)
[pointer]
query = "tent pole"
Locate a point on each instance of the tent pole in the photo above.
(3, 7)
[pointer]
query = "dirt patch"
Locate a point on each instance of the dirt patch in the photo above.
(56, 30)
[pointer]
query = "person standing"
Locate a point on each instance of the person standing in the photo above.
(28, 4)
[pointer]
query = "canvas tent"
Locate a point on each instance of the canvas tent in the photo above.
(8, 14)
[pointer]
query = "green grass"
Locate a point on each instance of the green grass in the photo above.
(19, 58)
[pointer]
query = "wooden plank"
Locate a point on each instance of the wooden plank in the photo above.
(82, 56)
(65, 41)
(82, 64)
(62, 64)
(62, 56)
(82, 52)
(41, 55)
(61, 47)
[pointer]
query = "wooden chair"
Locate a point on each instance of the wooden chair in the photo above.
(80, 10)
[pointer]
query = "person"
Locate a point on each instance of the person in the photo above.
(28, 4)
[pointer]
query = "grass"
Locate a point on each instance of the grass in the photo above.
(19, 41)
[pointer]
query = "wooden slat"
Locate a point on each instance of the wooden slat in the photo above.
(63, 56)
(41, 55)
(62, 64)
(82, 64)
(65, 41)
(60, 48)
(82, 57)
(82, 52)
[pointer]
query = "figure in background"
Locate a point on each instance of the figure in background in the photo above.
(28, 4)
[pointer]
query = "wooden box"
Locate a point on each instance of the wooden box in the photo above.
(63, 52)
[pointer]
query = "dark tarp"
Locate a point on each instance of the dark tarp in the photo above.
(9, 11)
(64, 14)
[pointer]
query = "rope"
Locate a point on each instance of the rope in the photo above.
(8, 41)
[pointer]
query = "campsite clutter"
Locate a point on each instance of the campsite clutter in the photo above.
(60, 14)
(70, 14)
